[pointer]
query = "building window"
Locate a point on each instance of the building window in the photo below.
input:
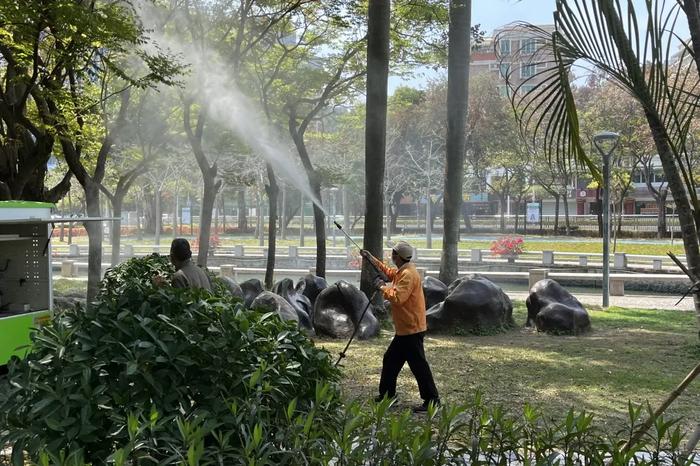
(529, 46)
(504, 70)
(504, 91)
(525, 88)
(527, 71)
(504, 46)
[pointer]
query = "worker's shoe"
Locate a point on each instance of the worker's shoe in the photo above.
(423, 408)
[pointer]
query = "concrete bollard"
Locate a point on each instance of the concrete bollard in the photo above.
(264, 252)
(128, 250)
(293, 252)
(617, 287)
(476, 255)
(74, 250)
(422, 271)
(69, 269)
(620, 261)
(536, 275)
(547, 257)
(227, 270)
(583, 261)
(238, 250)
(656, 264)
(312, 271)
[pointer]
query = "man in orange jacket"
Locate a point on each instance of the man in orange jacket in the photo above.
(405, 293)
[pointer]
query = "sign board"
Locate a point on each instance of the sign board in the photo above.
(533, 212)
(186, 216)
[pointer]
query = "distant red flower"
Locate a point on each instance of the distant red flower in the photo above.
(508, 246)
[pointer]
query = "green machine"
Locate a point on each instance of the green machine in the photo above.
(26, 290)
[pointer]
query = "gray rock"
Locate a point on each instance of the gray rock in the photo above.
(311, 286)
(553, 309)
(251, 289)
(474, 304)
(233, 287)
(338, 309)
(434, 290)
(273, 303)
(300, 303)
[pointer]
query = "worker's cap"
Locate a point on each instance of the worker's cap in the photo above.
(403, 250)
(180, 249)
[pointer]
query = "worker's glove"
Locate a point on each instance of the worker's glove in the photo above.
(379, 283)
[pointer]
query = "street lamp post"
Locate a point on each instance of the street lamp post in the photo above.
(610, 140)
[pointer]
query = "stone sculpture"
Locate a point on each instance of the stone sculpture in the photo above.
(338, 309)
(553, 309)
(474, 304)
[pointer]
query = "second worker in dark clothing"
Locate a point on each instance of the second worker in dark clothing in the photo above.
(187, 274)
(405, 293)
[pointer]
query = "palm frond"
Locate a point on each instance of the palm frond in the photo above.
(641, 59)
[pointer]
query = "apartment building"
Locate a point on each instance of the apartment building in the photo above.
(514, 51)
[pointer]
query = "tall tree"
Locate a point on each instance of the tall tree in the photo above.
(378, 19)
(457, 98)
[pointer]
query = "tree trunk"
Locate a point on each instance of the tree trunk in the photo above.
(661, 207)
(686, 219)
(157, 217)
(320, 226)
(379, 14)
(457, 98)
(117, 203)
(302, 226)
(283, 221)
(567, 220)
(208, 198)
(556, 214)
(94, 231)
(388, 220)
(272, 194)
(242, 212)
(394, 210)
(503, 202)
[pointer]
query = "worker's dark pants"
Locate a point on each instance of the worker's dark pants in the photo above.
(407, 348)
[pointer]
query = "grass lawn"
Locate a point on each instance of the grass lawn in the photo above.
(532, 243)
(631, 354)
(638, 355)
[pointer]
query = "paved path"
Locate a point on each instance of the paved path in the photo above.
(631, 299)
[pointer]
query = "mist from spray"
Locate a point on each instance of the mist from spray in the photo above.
(226, 104)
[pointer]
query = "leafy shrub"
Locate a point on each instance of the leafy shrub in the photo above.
(135, 272)
(156, 375)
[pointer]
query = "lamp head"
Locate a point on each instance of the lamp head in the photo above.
(606, 136)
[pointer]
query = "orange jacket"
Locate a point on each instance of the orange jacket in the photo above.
(405, 293)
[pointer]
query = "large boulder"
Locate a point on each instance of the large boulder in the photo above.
(251, 289)
(474, 304)
(311, 286)
(274, 303)
(434, 290)
(553, 309)
(299, 302)
(338, 310)
(233, 287)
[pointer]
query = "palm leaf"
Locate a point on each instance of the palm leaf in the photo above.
(639, 58)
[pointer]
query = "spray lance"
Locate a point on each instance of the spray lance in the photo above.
(380, 274)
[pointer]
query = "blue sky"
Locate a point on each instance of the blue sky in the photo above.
(491, 14)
